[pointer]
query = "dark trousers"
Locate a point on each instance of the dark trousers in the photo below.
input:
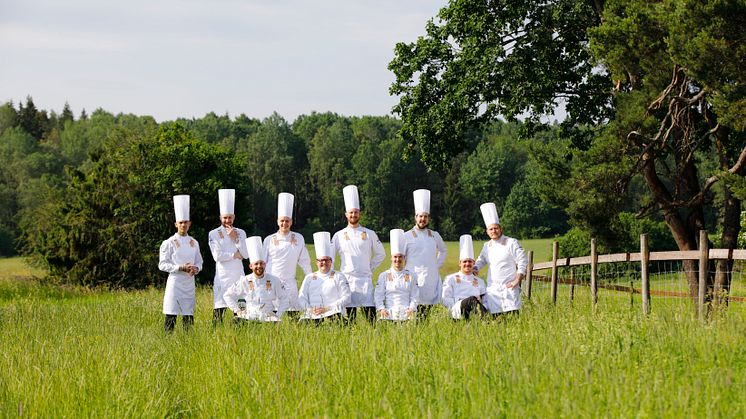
(472, 306)
(369, 312)
(423, 311)
(170, 323)
(217, 316)
(505, 315)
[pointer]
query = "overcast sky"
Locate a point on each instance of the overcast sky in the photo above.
(184, 58)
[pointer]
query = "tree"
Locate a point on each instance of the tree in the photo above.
(8, 116)
(105, 226)
(484, 59)
(66, 116)
(275, 162)
(648, 87)
(330, 158)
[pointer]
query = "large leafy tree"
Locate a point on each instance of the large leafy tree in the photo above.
(651, 90)
(105, 226)
(484, 59)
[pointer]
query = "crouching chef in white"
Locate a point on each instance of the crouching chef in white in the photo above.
(260, 291)
(228, 248)
(324, 294)
(507, 265)
(396, 290)
(361, 253)
(463, 291)
(180, 257)
(286, 250)
(426, 253)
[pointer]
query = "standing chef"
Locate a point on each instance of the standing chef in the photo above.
(463, 291)
(426, 253)
(396, 291)
(361, 253)
(507, 265)
(228, 248)
(180, 257)
(286, 250)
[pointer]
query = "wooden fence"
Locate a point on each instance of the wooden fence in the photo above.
(703, 255)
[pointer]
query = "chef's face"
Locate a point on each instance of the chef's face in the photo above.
(466, 265)
(183, 227)
(258, 268)
(226, 220)
(422, 220)
(398, 261)
(353, 216)
(494, 231)
(284, 223)
(324, 264)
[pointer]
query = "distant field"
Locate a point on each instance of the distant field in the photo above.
(71, 352)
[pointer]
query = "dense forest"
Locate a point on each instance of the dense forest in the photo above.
(89, 196)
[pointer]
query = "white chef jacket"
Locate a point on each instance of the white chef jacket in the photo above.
(180, 296)
(396, 291)
(329, 290)
(355, 246)
(261, 295)
(284, 253)
(227, 269)
(426, 253)
(459, 286)
(505, 258)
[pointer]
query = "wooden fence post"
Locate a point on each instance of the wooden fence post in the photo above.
(572, 284)
(530, 273)
(594, 273)
(555, 255)
(704, 254)
(644, 260)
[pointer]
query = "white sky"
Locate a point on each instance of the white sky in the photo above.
(184, 58)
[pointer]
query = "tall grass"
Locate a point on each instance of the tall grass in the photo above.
(85, 353)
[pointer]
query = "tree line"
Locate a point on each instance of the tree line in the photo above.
(90, 197)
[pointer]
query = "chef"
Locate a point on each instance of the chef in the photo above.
(396, 290)
(463, 291)
(361, 252)
(228, 247)
(260, 291)
(324, 294)
(286, 250)
(426, 253)
(180, 257)
(507, 266)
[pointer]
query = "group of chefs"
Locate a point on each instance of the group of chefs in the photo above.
(409, 289)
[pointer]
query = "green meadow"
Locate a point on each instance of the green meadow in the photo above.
(71, 352)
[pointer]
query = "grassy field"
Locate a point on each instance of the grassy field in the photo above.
(72, 352)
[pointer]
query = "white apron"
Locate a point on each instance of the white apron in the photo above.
(180, 297)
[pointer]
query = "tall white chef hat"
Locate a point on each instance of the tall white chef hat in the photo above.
(421, 201)
(398, 242)
(285, 205)
(466, 248)
(352, 200)
(323, 245)
(181, 207)
(489, 213)
(227, 198)
(256, 249)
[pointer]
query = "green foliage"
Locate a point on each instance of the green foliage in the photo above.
(481, 59)
(526, 215)
(275, 162)
(110, 219)
(627, 229)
